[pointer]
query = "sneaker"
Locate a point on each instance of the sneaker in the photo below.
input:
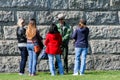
(21, 73)
(81, 74)
(32, 74)
(75, 74)
(29, 74)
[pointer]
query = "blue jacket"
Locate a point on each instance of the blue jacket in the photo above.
(81, 37)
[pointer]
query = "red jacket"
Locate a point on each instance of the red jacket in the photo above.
(53, 43)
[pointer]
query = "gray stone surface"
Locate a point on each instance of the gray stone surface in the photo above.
(1, 32)
(8, 47)
(115, 4)
(119, 16)
(104, 32)
(27, 15)
(42, 4)
(97, 4)
(76, 4)
(44, 17)
(101, 18)
(105, 46)
(10, 32)
(59, 4)
(6, 16)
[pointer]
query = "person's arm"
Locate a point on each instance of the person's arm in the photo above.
(68, 33)
(74, 35)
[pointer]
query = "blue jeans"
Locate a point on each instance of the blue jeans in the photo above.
(32, 58)
(80, 64)
(52, 66)
(24, 55)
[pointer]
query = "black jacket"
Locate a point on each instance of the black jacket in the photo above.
(21, 35)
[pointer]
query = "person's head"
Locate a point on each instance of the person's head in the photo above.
(61, 18)
(53, 29)
(32, 22)
(31, 29)
(21, 22)
(82, 23)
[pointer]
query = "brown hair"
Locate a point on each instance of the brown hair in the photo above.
(31, 30)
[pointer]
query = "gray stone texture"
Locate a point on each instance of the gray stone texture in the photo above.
(115, 4)
(27, 15)
(8, 47)
(104, 32)
(59, 4)
(10, 32)
(97, 4)
(76, 4)
(6, 16)
(103, 20)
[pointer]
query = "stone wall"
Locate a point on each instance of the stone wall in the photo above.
(103, 19)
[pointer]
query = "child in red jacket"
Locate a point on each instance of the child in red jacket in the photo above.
(53, 42)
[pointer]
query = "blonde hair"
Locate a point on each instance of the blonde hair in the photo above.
(31, 29)
(20, 22)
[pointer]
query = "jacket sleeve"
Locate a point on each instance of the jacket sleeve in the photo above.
(74, 35)
(68, 33)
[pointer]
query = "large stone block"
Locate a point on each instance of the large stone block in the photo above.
(76, 4)
(106, 62)
(44, 17)
(104, 32)
(10, 32)
(97, 4)
(27, 15)
(102, 18)
(9, 63)
(59, 4)
(105, 46)
(6, 16)
(8, 47)
(115, 4)
(39, 4)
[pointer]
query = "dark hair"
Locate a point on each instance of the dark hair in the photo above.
(32, 19)
(83, 21)
(53, 29)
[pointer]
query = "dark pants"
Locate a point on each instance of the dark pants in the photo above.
(24, 55)
(65, 58)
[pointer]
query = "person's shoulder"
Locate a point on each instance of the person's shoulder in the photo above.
(86, 28)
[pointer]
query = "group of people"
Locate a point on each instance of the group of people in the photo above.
(56, 43)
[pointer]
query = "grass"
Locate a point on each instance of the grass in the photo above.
(89, 75)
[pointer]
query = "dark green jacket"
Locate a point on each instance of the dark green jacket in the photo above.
(65, 33)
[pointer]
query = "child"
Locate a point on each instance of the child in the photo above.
(53, 42)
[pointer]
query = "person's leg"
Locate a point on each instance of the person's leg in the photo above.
(59, 62)
(65, 57)
(34, 64)
(77, 60)
(24, 55)
(30, 58)
(83, 60)
(51, 64)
